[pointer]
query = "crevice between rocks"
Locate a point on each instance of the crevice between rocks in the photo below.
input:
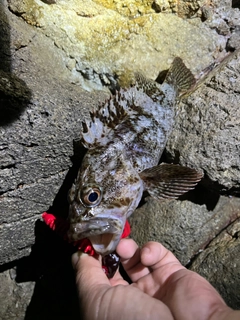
(236, 4)
(208, 243)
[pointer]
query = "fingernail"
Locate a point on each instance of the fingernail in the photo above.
(76, 256)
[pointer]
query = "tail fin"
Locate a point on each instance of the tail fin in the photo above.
(180, 77)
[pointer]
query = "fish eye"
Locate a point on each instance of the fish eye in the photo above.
(91, 196)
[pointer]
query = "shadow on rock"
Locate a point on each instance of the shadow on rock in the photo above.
(236, 4)
(14, 93)
(49, 263)
(60, 203)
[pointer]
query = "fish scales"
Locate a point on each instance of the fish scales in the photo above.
(144, 130)
(125, 138)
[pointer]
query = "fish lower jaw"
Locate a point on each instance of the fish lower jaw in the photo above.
(105, 243)
(104, 234)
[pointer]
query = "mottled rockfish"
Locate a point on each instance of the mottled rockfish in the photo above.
(125, 138)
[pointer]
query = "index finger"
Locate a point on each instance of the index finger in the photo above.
(153, 259)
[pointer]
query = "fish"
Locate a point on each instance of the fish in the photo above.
(125, 138)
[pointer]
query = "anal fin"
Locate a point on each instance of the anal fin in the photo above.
(169, 181)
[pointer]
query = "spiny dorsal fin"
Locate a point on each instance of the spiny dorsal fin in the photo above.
(180, 77)
(102, 120)
(137, 79)
(150, 87)
(169, 181)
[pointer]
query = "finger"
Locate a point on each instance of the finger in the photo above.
(127, 249)
(129, 252)
(155, 255)
(186, 290)
(118, 280)
(162, 265)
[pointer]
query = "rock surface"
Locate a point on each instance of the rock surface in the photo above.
(184, 227)
(98, 42)
(18, 296)
(52, 49)
(38, 125)
(219, 263)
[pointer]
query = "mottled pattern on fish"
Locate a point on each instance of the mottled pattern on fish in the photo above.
(126, 137)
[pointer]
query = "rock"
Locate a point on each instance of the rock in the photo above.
(101, 40)
(198, 237)
(183, 227)
(36, 137)
(234, 40)
(16, 297)
(42, 284)
(14, 96)
(39, 122)
(219, 263)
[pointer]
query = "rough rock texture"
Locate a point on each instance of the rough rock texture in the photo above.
(40, 116)
(46, 48)
(219, 263)
(38, 125)
(199, 238)
(42, 284)
(17, 295)
(146, 42)
(184, 227)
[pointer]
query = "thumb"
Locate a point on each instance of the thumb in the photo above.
(89, 272)
(91, 283)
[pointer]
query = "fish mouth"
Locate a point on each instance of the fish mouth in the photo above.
(104, 244)
(103, 234)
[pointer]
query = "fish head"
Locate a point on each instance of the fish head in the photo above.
(106, 191)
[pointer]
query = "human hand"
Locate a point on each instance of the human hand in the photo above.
(162, 288)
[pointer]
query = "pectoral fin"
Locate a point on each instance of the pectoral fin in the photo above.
(169, 181)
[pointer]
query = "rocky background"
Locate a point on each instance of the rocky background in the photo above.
(58, 58)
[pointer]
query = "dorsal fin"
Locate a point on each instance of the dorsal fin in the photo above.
(180, 77)
(139, 81)
(102, 120)
(150, 87)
